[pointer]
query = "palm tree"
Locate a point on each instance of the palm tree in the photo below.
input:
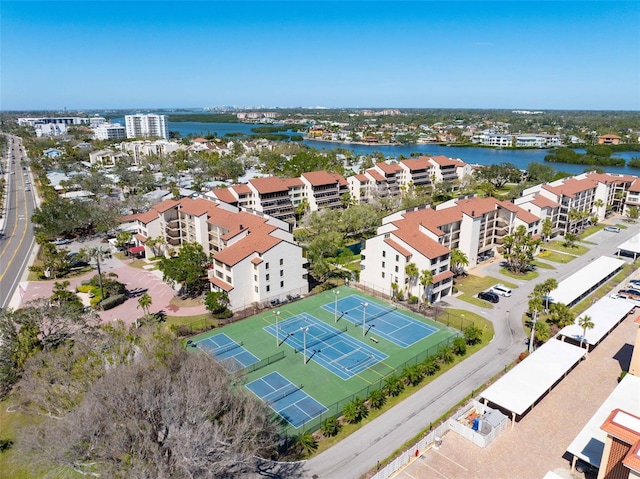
(307, 443)
(426, 280)
(598, 204)
(330, 427)
(377, 398)
(411, 270)
(585, 322)
(547, 228)
(545, 289)
(98, 253)
(144, 302)
(458, 261)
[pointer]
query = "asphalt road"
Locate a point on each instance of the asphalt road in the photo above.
(17, 239)
(361, 451)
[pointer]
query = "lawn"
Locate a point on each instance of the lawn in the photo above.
(604, 289)
(543, 265)
(529, 275)
(576, 250)
(556, 257)
(471, 285)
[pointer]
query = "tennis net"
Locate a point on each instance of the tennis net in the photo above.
(283, 394)
(380, 313)
(226, 348)
(321, 339)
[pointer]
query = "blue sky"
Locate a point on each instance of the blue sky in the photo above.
(439, 54)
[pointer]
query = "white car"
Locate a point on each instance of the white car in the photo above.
(501, 290)
(60, 241)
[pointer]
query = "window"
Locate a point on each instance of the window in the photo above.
(383, 274)
(384, 254)
(383, 264)
(255, 288)
(281, 261)
(396, 269)
(266, 266)
(397, 257)
(268, 288)
(228, 278)
(255, 277)
(281, 273)
(267, 276)
(282, 284)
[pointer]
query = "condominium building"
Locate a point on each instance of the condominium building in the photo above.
(137, 150)
(110, 131)
(255, 258)
(426, 236)
(147, 126)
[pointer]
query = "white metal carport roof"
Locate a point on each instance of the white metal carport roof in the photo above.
(605, 314)
(573, 287)
(521, 387)
(589, 443)
(632, 245)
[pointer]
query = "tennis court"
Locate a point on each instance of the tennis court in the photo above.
(232, 355)
(341, 354)
(385, 322)
(287, 399)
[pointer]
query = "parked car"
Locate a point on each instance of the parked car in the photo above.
(501, 290)
(634, 284)
(489, 296)
(612, 229)
(629, 294)
(61, 241)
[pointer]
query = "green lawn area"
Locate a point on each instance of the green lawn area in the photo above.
(472, 285)
(526, 276)
(556, 257)
(591, 230)
(543, 265)
(604, 289)
(577, 250)
(14, 465)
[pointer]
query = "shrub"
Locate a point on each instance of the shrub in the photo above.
(412, 299)
(112, 301)
(330, 427)
(459, 346)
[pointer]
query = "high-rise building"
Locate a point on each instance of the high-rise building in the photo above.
(147, 126)
(109, 131)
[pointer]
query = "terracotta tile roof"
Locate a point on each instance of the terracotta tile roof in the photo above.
(635, 187)
(141, 238)
(362, 178)
(320, 178)
(408, 230)
(542, 201)
(421, 163)
(572, 186)
(225, 194)
(259, 241)
(293, 182)
(444, 161)
(442, 276)
(375, 174)
(221, 284)
(241, 189)
(165, 205)
(632, 461)
(269, 184)
(256, 260)
(521, 213)
(389, 169)
(476, 207)
(197, 207)
(147, 217)
(404, 252)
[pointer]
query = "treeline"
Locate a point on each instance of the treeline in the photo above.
(599, 155)
(205, 117)
(277, 128)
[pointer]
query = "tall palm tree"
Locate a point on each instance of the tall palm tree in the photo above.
(426, 280)
(97, 253)
(144, 302)
(458, 261)
(585, 322)
(412, 271)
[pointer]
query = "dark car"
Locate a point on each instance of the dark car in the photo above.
(489, 296)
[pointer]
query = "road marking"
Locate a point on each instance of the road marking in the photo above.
(449, 459)
(24, 234)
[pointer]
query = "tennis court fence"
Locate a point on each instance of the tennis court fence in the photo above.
(263, 363)
(335, 409)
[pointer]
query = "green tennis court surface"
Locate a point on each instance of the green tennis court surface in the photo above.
(343, 360)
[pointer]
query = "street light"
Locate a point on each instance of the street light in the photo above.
(533, 330)
(335, 307)
(364, 316)
(304, 342)
(277, 313)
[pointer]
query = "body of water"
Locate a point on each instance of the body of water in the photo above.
(472, 155)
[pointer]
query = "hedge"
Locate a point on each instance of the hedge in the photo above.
(112, 301)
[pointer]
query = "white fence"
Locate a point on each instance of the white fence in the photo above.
(481, 440)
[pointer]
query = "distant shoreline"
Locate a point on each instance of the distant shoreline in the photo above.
(437, 143)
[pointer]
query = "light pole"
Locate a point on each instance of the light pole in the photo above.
(277, 313)
(533, 330)
(304, 342)
(364, 316)
(335, 307)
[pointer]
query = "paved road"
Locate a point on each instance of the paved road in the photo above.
(17, 240)
(361, 451)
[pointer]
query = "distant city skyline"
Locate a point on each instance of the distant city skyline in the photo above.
(515, 55)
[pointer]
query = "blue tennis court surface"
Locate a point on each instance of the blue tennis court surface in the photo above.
(388, 323)
(287, 399)
(328, 346)
(229, 353)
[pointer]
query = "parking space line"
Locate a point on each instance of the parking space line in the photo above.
(450, 460)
